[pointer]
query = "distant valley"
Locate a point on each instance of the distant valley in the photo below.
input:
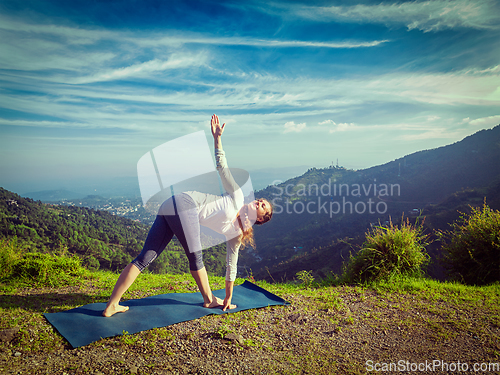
(128, 187)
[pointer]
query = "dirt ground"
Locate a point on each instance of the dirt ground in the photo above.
(351, 333)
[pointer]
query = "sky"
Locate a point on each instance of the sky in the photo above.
(88, 87)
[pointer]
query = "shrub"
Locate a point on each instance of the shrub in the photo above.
(91, 263)
(37, 269)
(389, 252)
(305, 277)
(10, 253)
(471, 250)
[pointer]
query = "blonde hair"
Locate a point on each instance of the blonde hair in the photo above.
(246, 237)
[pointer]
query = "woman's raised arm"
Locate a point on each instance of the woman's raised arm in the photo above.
(217, 131)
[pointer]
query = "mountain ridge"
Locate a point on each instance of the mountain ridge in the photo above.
(424, 178)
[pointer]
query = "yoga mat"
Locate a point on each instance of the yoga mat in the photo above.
(84, 325)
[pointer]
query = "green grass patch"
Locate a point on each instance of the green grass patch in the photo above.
(445, 291)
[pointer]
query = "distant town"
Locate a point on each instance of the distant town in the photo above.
(130, 208)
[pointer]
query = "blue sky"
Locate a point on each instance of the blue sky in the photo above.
(88, 87)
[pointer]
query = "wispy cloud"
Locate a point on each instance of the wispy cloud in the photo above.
(449, 88)
(333, 127)
(301, 73)
(177, 39)
(486, 122)
(293, 127)
(422, 15)
(175, 61)
(434, 133)
(247, 97)
(76, 55)
(41, 124)
(71, 35)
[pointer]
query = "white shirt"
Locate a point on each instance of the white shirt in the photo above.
(219, 212)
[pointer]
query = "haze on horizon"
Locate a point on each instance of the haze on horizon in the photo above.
(87, 88)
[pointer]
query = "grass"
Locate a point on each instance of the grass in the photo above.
(434, 290)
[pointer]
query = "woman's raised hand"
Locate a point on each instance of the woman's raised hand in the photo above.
(217, 129)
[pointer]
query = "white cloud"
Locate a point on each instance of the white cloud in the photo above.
(342, 127)
(486, 122)
(459, 87)
(127, 106)
(327, 122)
(433, 133)
(300, 96)
(72, 35)
(176, 61)
(423, 15)
(42, 124)
(490, 70)
(292, 127)
(76, 55)
(29, 46)
(334, 127)
(177, 39)
(55, 65)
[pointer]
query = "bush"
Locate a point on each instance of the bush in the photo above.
(389, 252)
(472, 253)
(37, 269)
(306, 277)
(10, 253)
(91, 263)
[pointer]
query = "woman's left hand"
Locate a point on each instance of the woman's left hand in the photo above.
(217, 129)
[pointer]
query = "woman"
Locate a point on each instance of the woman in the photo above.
(182, 215)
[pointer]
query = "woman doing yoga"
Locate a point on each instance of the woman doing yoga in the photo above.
(182, 215)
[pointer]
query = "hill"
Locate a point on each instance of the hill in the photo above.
(316, 210)
(100, 239)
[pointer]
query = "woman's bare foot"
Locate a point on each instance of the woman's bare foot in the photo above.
(216, 302)
(113, 309)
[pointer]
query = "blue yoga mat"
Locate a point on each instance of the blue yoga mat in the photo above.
(84, 325)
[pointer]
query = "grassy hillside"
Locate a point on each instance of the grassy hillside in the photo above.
(326, 329)
(100, 239)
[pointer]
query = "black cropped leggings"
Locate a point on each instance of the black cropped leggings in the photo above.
(166, 225)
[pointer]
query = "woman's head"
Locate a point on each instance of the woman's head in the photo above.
(258, 212)
(264, 211)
